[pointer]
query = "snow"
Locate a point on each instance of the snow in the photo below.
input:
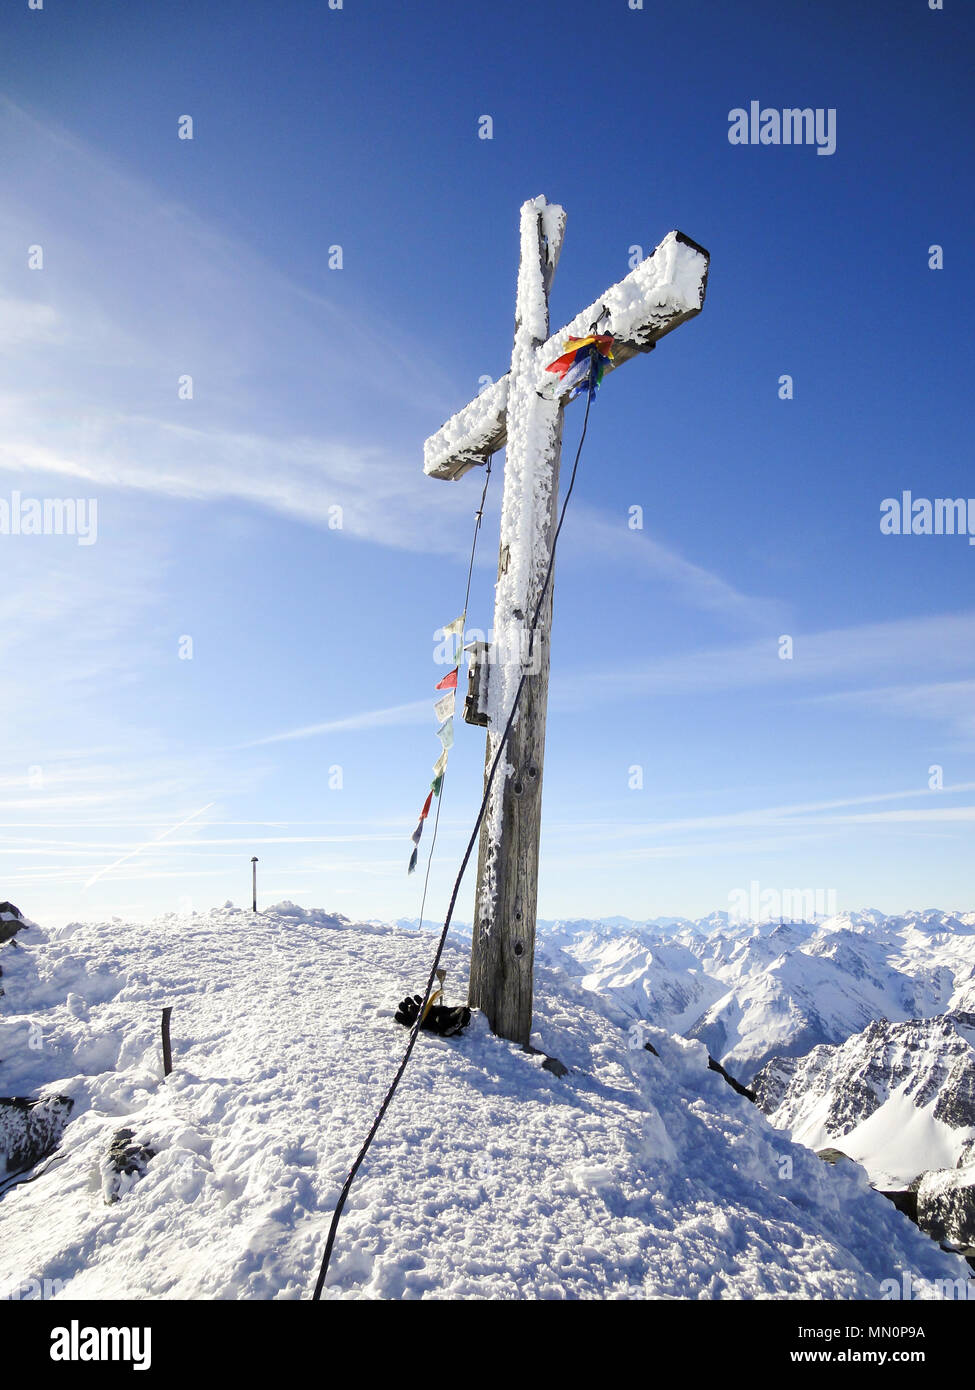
(662, 983)
(636, 1176)
(669, 281)
(470, 430)
(531, 299)
(894, 1144)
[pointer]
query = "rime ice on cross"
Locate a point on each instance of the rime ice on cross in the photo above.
(523, 413)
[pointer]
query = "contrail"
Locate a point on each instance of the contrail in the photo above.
(139, 848)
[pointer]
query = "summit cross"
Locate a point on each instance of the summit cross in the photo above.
(522, 412)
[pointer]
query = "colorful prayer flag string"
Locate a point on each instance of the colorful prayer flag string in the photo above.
(443, 710)
(583, 363)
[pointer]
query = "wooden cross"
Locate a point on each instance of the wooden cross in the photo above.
(523, 411)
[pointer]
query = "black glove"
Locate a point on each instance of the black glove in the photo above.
(447, 1022)
(441, 1020)
(408, 1010)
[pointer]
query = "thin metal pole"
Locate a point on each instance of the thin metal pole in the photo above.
(254, 863)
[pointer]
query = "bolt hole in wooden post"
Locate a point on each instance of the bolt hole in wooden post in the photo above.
(518, 788)
(519, 948)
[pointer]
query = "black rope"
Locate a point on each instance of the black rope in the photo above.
(415, 1031)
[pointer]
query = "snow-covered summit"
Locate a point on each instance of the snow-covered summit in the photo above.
(637, 1175)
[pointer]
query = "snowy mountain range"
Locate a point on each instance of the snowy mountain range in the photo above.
(639, 1174)
(752, 991)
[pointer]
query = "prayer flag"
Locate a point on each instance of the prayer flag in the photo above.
(444, 707)
(584, 362)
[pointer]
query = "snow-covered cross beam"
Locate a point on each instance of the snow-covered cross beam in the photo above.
(523, 411)
(664, 291)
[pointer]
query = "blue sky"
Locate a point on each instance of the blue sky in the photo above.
(315, 387)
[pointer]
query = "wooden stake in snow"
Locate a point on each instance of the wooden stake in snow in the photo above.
(166, 1044)
(523, 412)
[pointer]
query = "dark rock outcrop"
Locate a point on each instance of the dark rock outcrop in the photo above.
(714, 1065)
(772, 1082)
(12, 920)
(946, 1206)
(124, 1164)
(30, 1129)
(834, 1156)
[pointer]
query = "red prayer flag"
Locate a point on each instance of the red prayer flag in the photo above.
(426, 806)
(448, 682)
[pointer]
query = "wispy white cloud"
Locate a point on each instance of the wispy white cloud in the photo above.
(298, 443)
(802, 813)
(146, 845)
(281, 373)
(941, 642)
(413, 713)
(950, 702)
(610, 539)
(24, 321)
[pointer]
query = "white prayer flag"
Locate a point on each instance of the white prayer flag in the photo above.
(446, 734)
(444, 708)
(440, 766)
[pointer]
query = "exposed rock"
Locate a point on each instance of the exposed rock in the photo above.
(12, 920)
(956, 1102)
(833, 1155)
(551, 1064)
(30, 1129)
(946, 1206)
(905, 1200)
(124, 1164)
(772, 1082)
(735, 1085)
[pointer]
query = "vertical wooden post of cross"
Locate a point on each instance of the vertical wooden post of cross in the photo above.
(503, 946)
